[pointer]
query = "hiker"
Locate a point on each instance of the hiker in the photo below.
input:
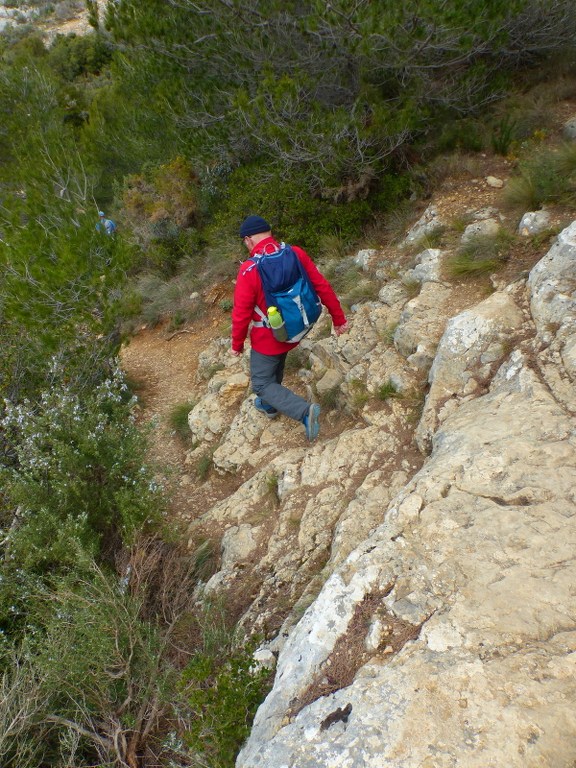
(105, 225)
(268, 355)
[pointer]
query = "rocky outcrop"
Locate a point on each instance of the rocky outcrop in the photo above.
(471, 348)
(414, 573)
(448, 636)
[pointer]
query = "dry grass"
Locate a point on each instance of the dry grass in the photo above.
(350, 652)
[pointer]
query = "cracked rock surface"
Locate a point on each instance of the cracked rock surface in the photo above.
(477, 552)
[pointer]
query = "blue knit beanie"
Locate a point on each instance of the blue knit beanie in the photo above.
(253, 225)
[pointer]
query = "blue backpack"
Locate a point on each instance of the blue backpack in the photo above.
(287, 286)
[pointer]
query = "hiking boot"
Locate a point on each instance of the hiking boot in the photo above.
(311, 423)
(264, 408)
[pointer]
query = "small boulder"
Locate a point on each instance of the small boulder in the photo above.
(569, 129)
(533, 222)
(429, 222)
(484, 228)
(363, 258)
(329, 381)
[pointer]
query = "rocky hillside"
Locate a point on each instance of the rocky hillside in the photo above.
(413, 570)
(50, 19)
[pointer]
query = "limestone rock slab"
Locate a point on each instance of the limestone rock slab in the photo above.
(479, 550)
(473, 342)
(423, 319)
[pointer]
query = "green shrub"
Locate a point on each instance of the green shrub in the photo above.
(102, 655)
(161, 206)
(222, 688)
(89, 668)
(295, 215)
(80, 482)
(72, 56)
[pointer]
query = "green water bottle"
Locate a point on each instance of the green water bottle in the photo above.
(277, 324)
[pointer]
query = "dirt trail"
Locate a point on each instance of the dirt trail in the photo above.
(161, 366)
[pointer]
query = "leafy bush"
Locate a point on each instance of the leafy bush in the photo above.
(97, 680)
(72, 56)
(28, 365)
(79, 482)
(90, 670)
(223, 688)
(294, 214)
(345, 91)
(224, 697)
(167, 193)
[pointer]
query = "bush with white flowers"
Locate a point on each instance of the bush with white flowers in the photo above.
(78, 481)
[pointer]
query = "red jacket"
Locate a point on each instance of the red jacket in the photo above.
(248, 293)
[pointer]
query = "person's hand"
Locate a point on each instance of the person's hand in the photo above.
(235, 353)
(340, 329)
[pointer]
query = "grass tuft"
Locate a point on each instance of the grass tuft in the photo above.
(359, 393)
(481, 255)
(545, 176)
(329, 400)
(388, 390)
(178, 420)
(204, 466)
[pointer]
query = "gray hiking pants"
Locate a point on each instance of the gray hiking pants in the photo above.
(266, 373)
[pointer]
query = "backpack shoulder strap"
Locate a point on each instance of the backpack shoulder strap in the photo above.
(263, 322)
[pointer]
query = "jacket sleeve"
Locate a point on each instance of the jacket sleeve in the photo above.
(245, 297)
(322, 287)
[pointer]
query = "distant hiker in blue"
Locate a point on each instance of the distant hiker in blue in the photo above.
(105, 225)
